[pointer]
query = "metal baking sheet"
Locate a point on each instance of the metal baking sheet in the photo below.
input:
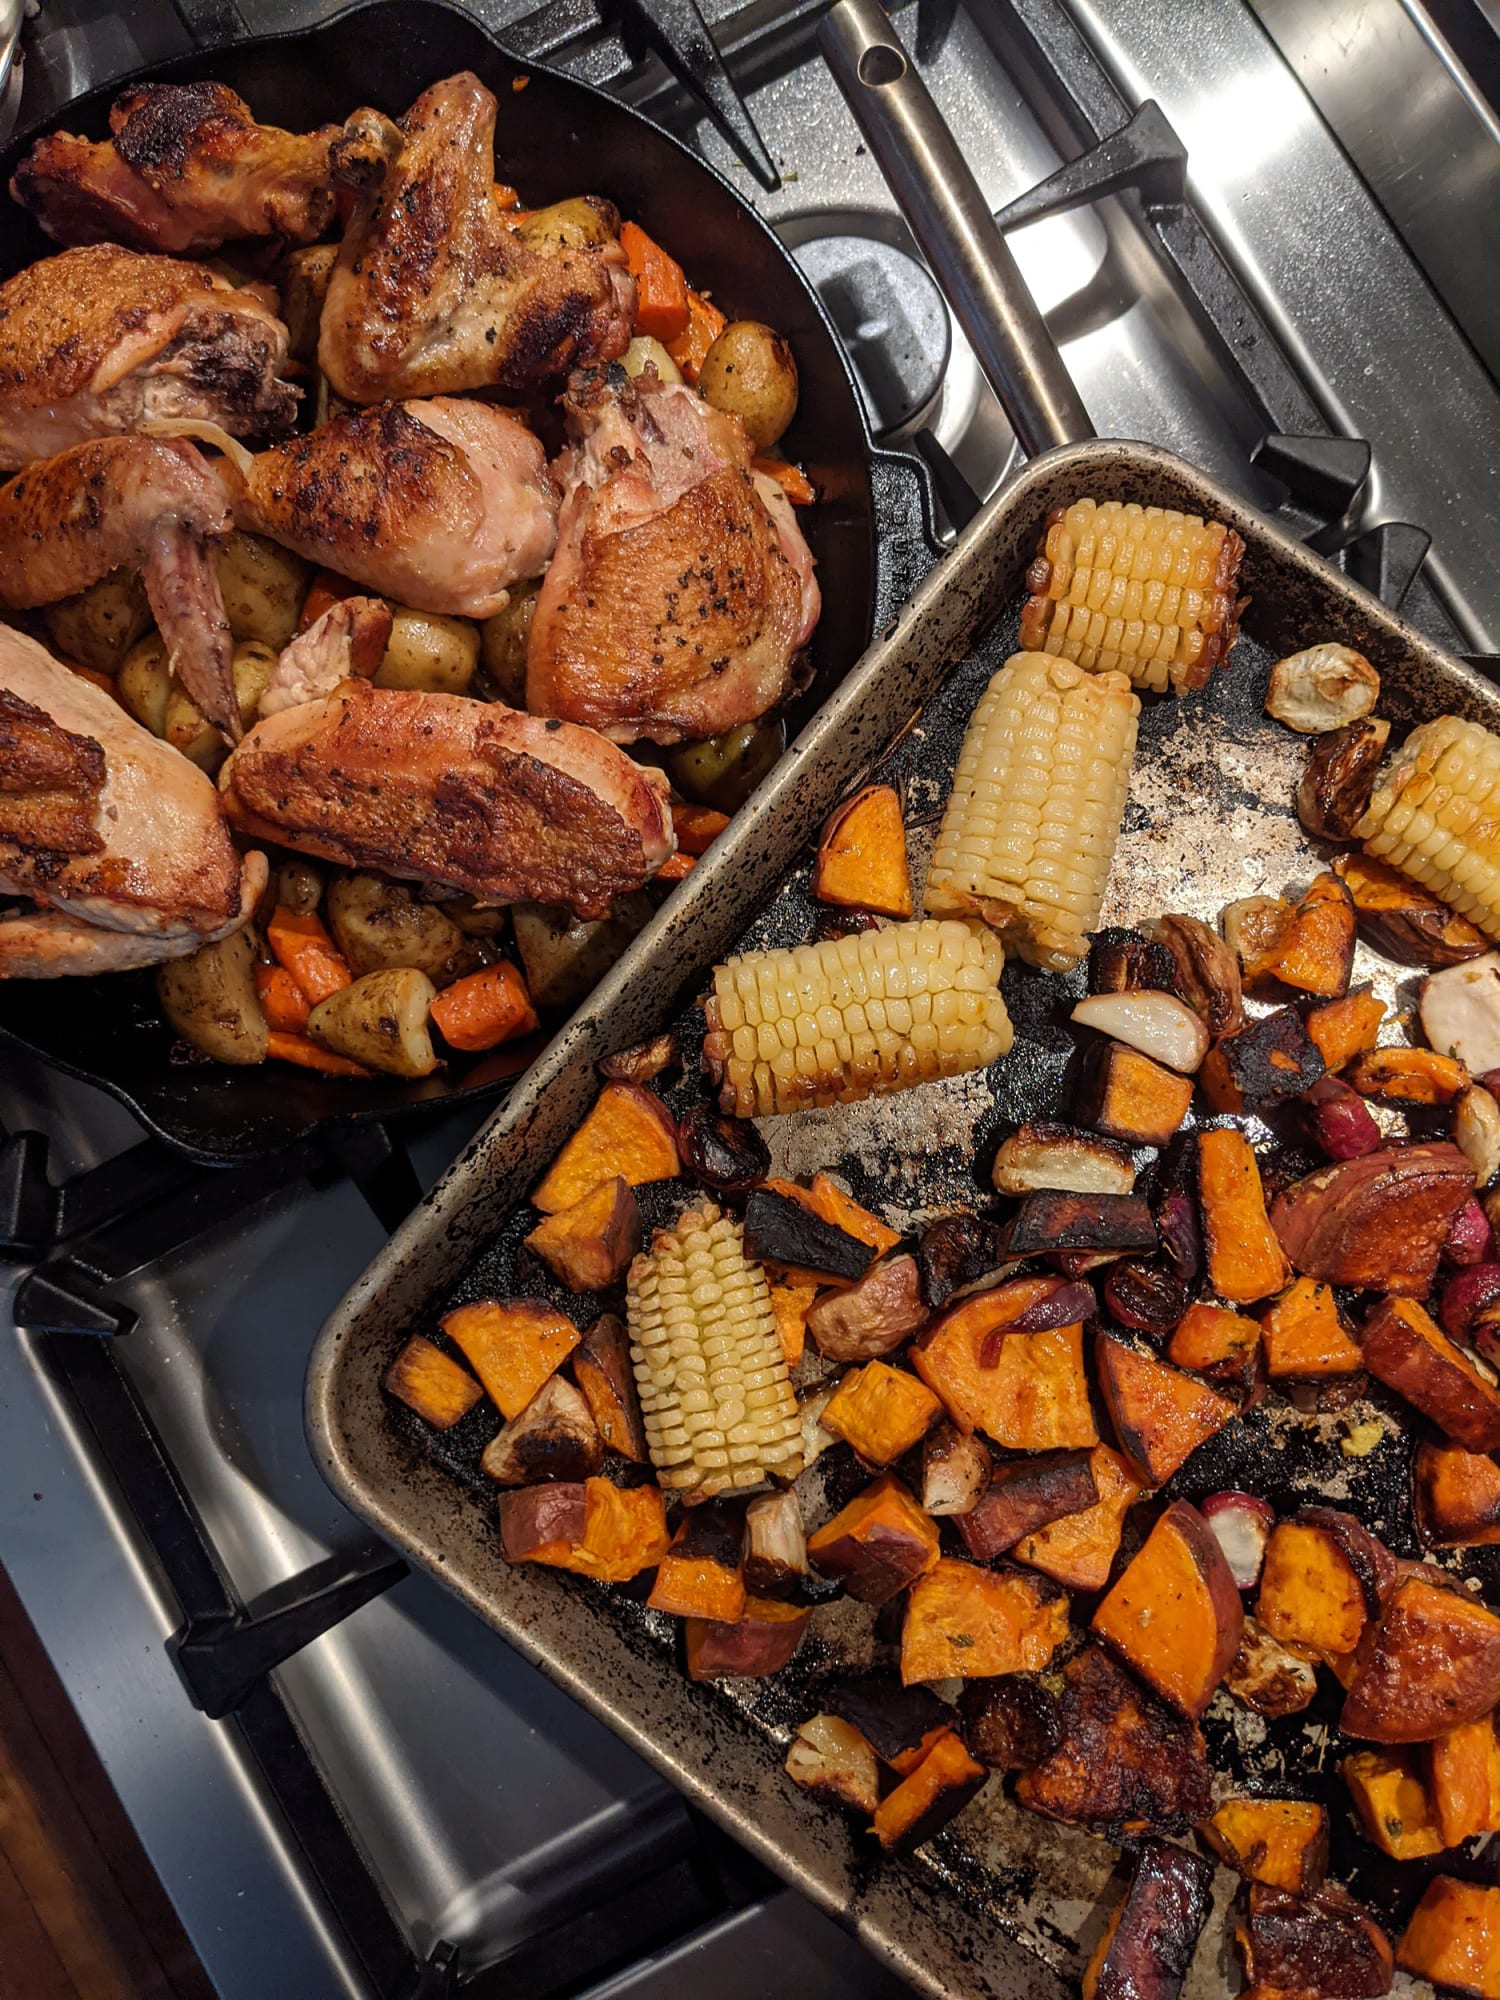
(1002, 1904)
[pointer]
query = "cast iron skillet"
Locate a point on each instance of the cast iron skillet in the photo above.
(555, 138)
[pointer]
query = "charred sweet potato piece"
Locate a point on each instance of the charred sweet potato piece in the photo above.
(1207, 972)
(785, 1230)
(1125, 961)
(1457, 1495)
(1052, 1220)
(554, 1437)
(956, 1470)
(1044, 1154)
(881, 1411)
(775, 1546)
(1316, 952)
(1408, 1076)
(877, 1544)
(1126, 1095)
(759, 1642)
(702, 1573)
(1403, 920)
(1245, 1260)
(1393, 1804)
(968, 1623)
(1344, 1029)
(902, 1723)
(1326, 1944)
(791, 1299)
(1281, 1842)
(1221, 1346)
(589, 1245)
(1431, 1663)
(1125, 1759)
(830, 1759)
(1254, 928)
(542, 1523)
(1305, 1337)
(629, 1134)
(1267, 1677)
(830, 1201)
(512, 1347)
(1378, 1222)
(873, 1316)
(1160, 1415)
(1314, 1589)
(861, 862)
(1010, 1721)
(1265, 1062)
(1175, 1614)
(1034, 1397)
(1149, 1940)
(602, 1370)
(958, 1255)
(608, 1532)
(431, 1383)
(1464, 1777)
(928, 1797)
(1453, 1938)
(1078, 1550)
(1025, 1494)
(1405, 1348)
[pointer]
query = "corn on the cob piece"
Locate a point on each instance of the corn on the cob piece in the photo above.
(716, 1398)
(854, 1017)
(1030, 828)
(1435, 815)
(1143, 590)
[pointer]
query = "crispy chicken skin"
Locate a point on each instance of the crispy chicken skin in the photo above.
(434, 291)
(116, 837)
(98, 341)
(465, 794)
(186, 168)
(437, 504)
(681, 590)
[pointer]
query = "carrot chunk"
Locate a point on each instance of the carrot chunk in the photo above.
(282, 1000)
(1175, 1614)
(689, 349)
(513, 1347)
(303, 946)
(792, 480)
(969, 1622)
(484, 1009)
(861, 862)
(1453, 1938)
(1245, 1261)
(1305, 1338)
(328, 588)
(307, 1055)
(661, 292)
(697, 827)
(628, 1133)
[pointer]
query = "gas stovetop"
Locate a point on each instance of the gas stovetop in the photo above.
(401, 1806)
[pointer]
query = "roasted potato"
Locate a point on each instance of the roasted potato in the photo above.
(475, 920)
(98, 627)
(304, 286)
(210, 1000)
(642, 352)
(144, 682)
(436, 655)
(583, 223)
(502, 643)
(750, 373)
(263, 586)
(296, 885)
(381, 1021)
(184, 726)
(379, 925)
(722, 771)
(564, 957)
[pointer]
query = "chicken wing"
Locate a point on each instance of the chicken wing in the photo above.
(437, 504)
(118, 840)
(152, 503)
(682, 589)
(99, 341)
(437, 290)
(188, 168)
(468, 795)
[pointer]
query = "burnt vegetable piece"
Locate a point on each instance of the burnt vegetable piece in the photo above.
(1127, 1096)
(1010, 1721)
(902, 1723)
(601, 1368)
(1123, 961)
(1044, 1154)
(1378, 1222)
(1047, 1221)
(1175, 1613)
(1268, 1677)
(726, 1154)
(1024, 1494)
(1150, 1938)
(1269, 1060)
(929, 1796)
(554, 1437)
(1325, 1944)
(873, 1316)
(959, 1254)
(1402, 919)
(830, 1759)
(779, 1230)
(1405, 1348)
(1408, 1076)
(1207, 973)
(1335, 788)
(955, 1471)
(1146, 1296)
(431, 1383)
(1432, 1663)
(643, 1062)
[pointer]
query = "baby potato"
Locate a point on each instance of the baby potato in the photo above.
(98, 626)
(578, 224)
(379, 924)
(263, 586)
(750, 373)
(210, 1000)
(643, 350)
(254, 664)
(438, 655)
(303, 290)
(186, 730)
(475, 920)
(565, 957)
(380, 1021)
(296, 885)
(502, 643)
(722, 771)
(144, 682)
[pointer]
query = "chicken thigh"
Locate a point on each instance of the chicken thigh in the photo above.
(681, 590)
(117, 839)
(437, 290)
(99, 341)
(437, 504)
(188, 168)
(467, 795)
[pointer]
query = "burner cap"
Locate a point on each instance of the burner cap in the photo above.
(892, 319)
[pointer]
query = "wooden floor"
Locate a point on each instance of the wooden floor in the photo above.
(82, 1915)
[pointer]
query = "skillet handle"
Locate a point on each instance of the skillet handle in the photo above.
(951, 220)
(212, 23)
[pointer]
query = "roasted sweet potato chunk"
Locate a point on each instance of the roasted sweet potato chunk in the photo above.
(1327, 1945)
(1378, 1222)
(881, 1411)
(1025, 1494)
(1403, 920)
(1432, 1663)
(512, 1346)
(790, 1301)
(1149, 1940)
(1453, 1938)
(1245, 1260)
(1393, 1804)
(829, 1200)
(1175, 1614)
(1408, 1076)
(1034, 1397)
(877, 1544)
(431, 1383)
(1316, 953)
(1010, 1721)
(1078, 1550)
(1405, 1348)
(1223, 1347)
(1281, 1842)
(1457, 1496)
(702, 1573)
(1125, 1759)
(928, 1797)
(1126, 1095)
(589, 1245)
(1344, 1029)
(629, 1134)
(1305, 1337)
(1056, 1220)
(1314, 1589)
(861, 862)
(759, 1642)
(1160, 1415)
(1125, 961)
(873, 1316)
(1464, 1776)
(830, 1759)
(601, 1368)
(608, 1532)
(1264, 1062)
(968, 1623)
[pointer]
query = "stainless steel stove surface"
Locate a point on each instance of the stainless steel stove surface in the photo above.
(495, 1815)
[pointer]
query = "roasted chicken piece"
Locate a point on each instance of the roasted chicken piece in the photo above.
(151, 503)
(188, 168)
(465, 794)
(681, 590)
(116, 838)
(439, 504)
(436, 289)
(346, 643)
(103, 340)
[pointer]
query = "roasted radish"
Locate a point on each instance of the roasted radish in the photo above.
(1241, 1525)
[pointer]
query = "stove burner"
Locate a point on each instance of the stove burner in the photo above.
(891, 317)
